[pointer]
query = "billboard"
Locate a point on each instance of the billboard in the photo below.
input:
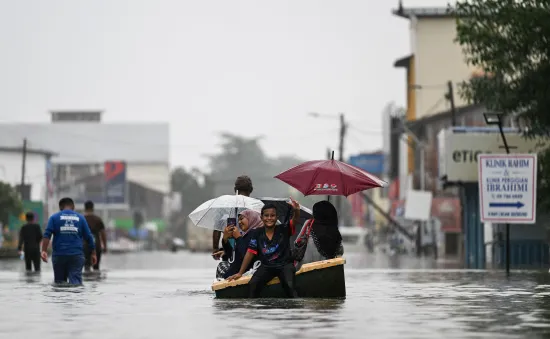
(114, 174)
(372, 163)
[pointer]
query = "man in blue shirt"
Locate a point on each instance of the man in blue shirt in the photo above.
(69, 229)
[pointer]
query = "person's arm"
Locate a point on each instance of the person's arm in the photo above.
(103, 235)
(227, 248)
(46, 239)
(216, 241)
(251, 252)
(295, 216)
(20, 245)
(38, 234)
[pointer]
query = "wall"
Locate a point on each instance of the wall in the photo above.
(10, 171)
(153, 176)
(438, 59)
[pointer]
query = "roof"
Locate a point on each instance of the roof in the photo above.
(460, 111)
(85, 142)
(423, 12)
(403, 62)
(29, 151)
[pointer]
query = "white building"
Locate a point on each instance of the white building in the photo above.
(81, 143)
(435, 60)
(11, 161)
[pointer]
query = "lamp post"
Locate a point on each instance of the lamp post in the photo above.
(492, 118)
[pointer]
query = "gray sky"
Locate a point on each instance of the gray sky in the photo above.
(255, 67)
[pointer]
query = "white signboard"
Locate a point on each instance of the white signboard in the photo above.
(418, 205)
(458, 151)
(508, 188)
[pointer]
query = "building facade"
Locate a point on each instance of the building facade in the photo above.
(82, 143)
(36, 163)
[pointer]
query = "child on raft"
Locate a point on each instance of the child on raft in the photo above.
(271, 244)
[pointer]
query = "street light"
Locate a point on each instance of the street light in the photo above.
(493, 118)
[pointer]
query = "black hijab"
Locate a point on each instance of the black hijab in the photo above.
(326, 234)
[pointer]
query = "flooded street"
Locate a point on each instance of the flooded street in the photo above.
(166, 295)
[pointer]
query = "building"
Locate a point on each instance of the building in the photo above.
(434, 67)
(36, 163)
(82, 143)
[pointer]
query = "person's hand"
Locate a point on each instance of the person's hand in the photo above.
(295, 205)
(217, 254)
(44, 256)
(234, 277)
(227, 232)
(94, 258)
(236, 233)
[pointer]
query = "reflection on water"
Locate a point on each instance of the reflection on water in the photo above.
(166, 295)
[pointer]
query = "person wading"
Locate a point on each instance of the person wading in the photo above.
(243, 186)
(69, 229)
(30, 236)
(97, 227)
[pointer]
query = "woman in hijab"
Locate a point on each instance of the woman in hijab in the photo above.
(235, 243)
(320, 238)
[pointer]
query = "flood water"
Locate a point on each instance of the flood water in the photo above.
(166, 295)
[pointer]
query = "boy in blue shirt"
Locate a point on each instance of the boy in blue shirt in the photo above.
(69, 228)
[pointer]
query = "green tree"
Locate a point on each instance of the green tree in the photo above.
(509, 41)
(10, 204)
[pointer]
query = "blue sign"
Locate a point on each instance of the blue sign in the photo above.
(371, 163)
(115, 182)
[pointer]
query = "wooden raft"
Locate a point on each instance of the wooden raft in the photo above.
(219, 285)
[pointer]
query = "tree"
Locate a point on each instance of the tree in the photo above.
(10, 204)
(242, 155)
(509, 42)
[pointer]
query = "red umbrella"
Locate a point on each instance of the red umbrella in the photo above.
(329, 177)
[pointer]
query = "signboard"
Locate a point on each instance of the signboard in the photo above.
(372, 163)
(458, 150)
(418, 205)
(115, 182)
(508, 188)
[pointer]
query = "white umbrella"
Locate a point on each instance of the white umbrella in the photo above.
(213, 213)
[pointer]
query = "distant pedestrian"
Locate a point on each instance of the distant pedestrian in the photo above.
(69, 230)
(97, 227)
(30, 236)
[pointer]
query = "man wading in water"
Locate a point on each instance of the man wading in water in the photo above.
(30, 236)
(272, 245)
(243, 186)
(98, 230)
(69, 229)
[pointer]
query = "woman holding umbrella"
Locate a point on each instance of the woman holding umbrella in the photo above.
(235, 250)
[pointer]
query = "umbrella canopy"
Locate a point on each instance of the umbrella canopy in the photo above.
(329, 177)
(213, 213)
(284, 210)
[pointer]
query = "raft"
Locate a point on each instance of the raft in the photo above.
(320, 279)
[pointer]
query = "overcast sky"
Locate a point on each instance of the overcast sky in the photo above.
(253, 67)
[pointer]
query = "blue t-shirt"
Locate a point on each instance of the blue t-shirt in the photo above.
(68, 229)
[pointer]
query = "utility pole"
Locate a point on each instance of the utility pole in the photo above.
(23, 169)
(343, 128)
(451, 98)
(330, 156)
